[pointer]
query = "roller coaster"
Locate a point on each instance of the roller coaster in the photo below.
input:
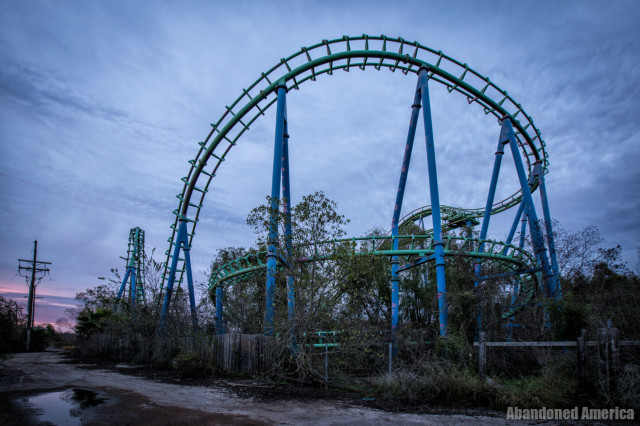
(517, 131)
(135, 272)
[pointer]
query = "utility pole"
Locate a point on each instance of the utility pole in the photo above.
(38, 269)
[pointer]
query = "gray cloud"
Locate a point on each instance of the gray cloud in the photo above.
(103, 103)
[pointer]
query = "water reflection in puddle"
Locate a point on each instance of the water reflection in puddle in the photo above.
(63, 407)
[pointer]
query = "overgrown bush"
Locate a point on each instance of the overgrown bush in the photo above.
(189, 364)
(441, 382)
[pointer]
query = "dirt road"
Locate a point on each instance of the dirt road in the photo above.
(136, 400)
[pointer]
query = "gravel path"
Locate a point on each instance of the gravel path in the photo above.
(136, 400)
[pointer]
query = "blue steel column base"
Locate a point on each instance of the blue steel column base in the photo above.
(395, 298)
(192, 296)
(220, 327)
(270, 294)
(443, 309)
(182, 242)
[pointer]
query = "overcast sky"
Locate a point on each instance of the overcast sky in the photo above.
(102, 103)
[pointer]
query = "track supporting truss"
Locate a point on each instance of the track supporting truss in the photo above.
(135, 270)
(182, 242)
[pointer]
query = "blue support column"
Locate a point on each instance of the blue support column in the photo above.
(516, 285)
(275, 196)
(435, 201)
(122, 287)
(549, 229)
(132, 288)
(220, 327)
(286, 209)
(192, 296)
(514, 227)
(487, 217)
(529, 209)
(182, 241)
(523, 231)
(395, 279)
(492, 192)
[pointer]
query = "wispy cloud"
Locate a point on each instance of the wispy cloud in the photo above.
(102, 104)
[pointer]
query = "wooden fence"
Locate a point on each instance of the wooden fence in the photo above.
(243, 353)
(608, 353)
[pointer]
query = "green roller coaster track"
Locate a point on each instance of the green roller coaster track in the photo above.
(510, 257)
(347, 54)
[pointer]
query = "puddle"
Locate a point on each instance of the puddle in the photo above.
(62, 407)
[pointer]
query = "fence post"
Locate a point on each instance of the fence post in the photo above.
(582, 356)
(482, 356)
(326, 363)
(603, 358)
(614, 360)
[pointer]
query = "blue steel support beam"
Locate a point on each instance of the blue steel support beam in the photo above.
(192, 296)
(220, 328)
(122, 287)
(523, 231)
(516, 284)
(132, 288)
(182, 241)
(529, 209)
(514, 227)
(419, 261)
(492, 191)
(435, 201)
(549, 230)
(425, 275)
(406, 160)
(275, 196)
(288, 242)
(487, 216)
(172, 277)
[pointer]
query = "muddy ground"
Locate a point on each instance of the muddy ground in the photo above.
(141, 396)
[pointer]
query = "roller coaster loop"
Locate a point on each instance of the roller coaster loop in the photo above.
(361, 53)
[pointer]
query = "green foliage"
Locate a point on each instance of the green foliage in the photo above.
(454, 347)
(363, 292)
(437, 383)
(12, 323)
(41, 337)
(555, 386)
(568, 316)
(445, 383)
(100, 297)
(463, 311)
(92, 321)
(315, 218)
(243, 302)
(189, 364)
